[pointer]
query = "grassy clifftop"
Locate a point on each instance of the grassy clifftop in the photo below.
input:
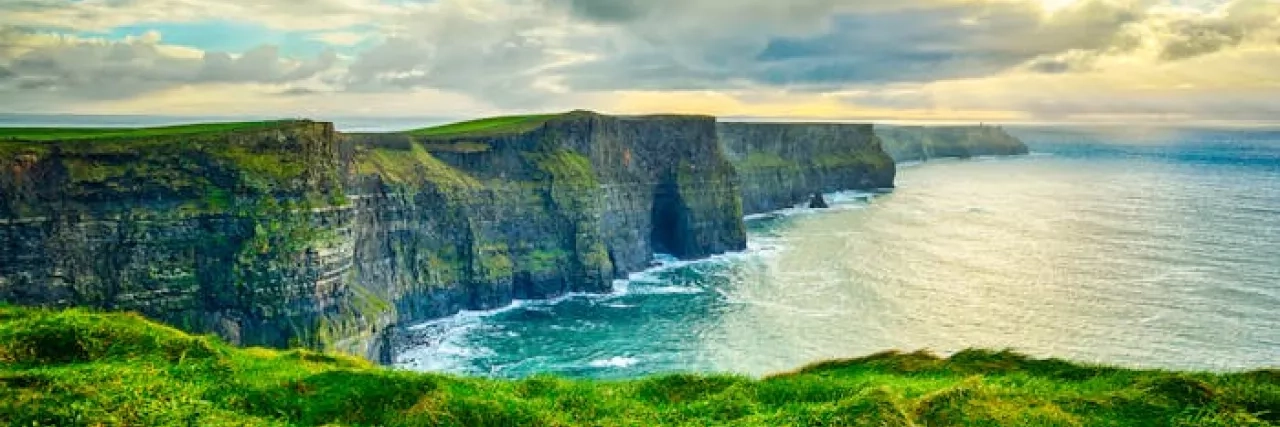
(205, 164)
(62, 134)
(489, 126)
(81, 368)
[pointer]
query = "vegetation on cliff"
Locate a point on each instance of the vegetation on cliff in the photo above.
(67, 134)
(200, 167)
(487, 126)
(414, 166)
(77, 367)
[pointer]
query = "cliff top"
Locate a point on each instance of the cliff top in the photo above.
(79, 367)
(511, 125)
(198, 167)
(489, 126)
(33, 134)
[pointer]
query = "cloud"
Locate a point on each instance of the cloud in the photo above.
(1118, 88)
(501, 51)
(341, 38)
(987, 59)
(1075, 60)
(819, 45)
(73, 68)
(1239, 22)
(276, 14)
(298, 91)
(1169, 35)
(609, 10)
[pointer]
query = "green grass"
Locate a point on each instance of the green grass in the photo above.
(200, 168)
(67, 134)
(77, 367)
(413, 166)
(486, 126)
(459, 147)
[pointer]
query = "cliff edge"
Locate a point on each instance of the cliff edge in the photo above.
(922, 143)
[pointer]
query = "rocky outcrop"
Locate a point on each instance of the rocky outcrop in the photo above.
(785, 164)
(917, 143)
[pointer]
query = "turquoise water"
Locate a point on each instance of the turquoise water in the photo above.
(1147, 250)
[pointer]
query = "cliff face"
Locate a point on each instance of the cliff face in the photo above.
(225, 233)
(294, 235)
(477, 219)
(916, 143)
(782, 164)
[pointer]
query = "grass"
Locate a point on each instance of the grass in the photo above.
(486, 126)
(199, 168)
(66, 134)
(459, 147)
(76, 367)
(413, 166)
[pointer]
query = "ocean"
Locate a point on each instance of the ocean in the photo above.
(1151, 248)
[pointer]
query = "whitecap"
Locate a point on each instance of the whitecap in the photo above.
(666, 290)
(614, 362)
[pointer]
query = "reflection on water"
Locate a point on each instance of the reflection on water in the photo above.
(1144, 255)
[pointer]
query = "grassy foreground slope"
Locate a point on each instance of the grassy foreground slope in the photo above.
(76, 367)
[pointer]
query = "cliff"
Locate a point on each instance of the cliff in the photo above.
(286, 233)
(290, 234)
(470, 219)
(916, 143)
(782, 164)
(228, 231)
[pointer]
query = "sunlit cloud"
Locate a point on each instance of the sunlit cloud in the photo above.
(910, 60)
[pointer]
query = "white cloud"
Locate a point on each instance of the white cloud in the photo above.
(98, 15)
(73, 68)
(342, 38)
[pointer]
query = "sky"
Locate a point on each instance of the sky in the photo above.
(1004, 61)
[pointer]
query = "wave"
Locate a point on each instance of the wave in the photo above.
(614, 362)
(663, 263)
